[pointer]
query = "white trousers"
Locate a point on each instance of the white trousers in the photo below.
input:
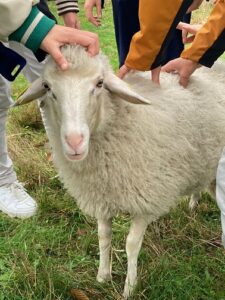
(220, 192)
(31, 71)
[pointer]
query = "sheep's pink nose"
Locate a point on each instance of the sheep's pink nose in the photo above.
(74, 140)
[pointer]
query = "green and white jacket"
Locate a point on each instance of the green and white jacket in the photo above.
(21, 21)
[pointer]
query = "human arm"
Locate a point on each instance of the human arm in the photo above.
(37, 31)
(158, 20)
(207, 46)
(68, 11)
(89, 7)
(188, 29)
(11, 19)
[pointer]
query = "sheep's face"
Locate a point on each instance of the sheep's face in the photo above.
(74, 98)
(73, 101)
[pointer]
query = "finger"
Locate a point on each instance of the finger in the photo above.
(98, 20)
(190, 39)
(180, 25)
(188, 27)
(123, 71)
(89, 15)
(86, 39)
(155, 75)
(184, 81)
(93, 20)
(59, 58)
(184, 36)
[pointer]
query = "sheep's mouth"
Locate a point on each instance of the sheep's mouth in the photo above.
(77, 156)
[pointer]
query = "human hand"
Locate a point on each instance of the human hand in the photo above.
(124, 70)
(61, 35)
(195, 5)
(184, 67)
(89, 6)
(188, 29)
(155, 75)
(71, 19)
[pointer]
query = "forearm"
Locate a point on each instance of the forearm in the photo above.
(158, 20)
(209, 42)
(64, 6)
(34, 29)
(12, 15)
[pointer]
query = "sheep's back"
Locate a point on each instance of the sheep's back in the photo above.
(151, 155)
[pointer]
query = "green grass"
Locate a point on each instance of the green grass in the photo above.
(42, 258)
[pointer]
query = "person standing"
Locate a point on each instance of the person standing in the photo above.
(14, 200)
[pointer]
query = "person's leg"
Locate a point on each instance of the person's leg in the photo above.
(14, 201)
(7, 174)
(220, 192)
(126, 22)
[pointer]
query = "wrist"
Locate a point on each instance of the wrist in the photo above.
(33, 30)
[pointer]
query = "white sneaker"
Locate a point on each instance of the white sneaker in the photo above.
(15, 202)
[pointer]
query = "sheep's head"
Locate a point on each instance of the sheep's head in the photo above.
(73, 97)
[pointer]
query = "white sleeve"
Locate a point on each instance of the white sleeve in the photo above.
(12, 15)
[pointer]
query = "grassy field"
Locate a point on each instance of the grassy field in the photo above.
(42, 258)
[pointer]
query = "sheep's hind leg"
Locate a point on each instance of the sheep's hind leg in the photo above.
(104, 236)
(133, 246)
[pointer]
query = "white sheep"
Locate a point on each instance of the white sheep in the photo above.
(116, 157)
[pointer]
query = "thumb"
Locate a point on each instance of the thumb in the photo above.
(169, 67)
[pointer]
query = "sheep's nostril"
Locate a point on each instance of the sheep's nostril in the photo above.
(74, 140)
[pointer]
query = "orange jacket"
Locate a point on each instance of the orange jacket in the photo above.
(209, 42)
(158, 20)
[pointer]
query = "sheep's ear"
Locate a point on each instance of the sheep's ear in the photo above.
(36, 90)
(117, 86)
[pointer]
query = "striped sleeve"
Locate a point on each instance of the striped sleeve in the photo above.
(209, 42)
(158, 21)
(33, 30)
(65, 6)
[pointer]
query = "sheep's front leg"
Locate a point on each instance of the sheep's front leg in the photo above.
(133, 246)
(104, 236)
(193, 203)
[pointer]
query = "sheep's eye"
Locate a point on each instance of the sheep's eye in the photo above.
(100, 83)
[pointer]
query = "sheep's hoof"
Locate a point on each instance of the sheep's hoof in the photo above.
(103, 277)
(128, 290)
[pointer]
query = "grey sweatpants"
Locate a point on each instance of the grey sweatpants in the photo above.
(31, 71)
